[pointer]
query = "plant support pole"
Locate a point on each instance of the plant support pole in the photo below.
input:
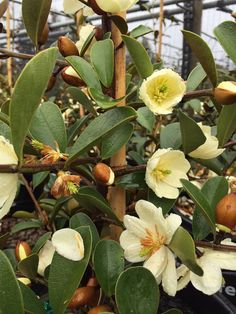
(9, 60)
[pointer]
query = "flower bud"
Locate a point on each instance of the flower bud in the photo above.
(95, 7)
(99, 309)
(226, 211)
(67, 47)
(92, 282)
(99, 33)
(71, 77)
(44, 36)
(22, 250)
(51, 83)
(225, 93)
(24, 280)
(84, 296)
(103, 174)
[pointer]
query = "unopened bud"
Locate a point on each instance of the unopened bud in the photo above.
(103, 174)
(71, 77)
(99, 33)
(99, 309)
(22, 250)
(44, 36)
(225, 93)
(24, 280)
(51, 83)
(67, 47)
(95, 7)
(84, 296)
(92, 282)
(226, 211)
(233, 15)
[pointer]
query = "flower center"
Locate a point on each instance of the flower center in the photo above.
(152, 242)
(160, 173)
(160, 93)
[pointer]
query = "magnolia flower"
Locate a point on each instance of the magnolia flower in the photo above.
(8, 181)
(162, 91)
(45, 257)
(209, 149)
(211, 262)
(115, 6)
(164, 170)
(84, 33)
(146, 240)
(72, 6)
(225, 93)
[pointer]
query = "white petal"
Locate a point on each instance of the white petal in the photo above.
(127, 239)
(157, 263)
(173, 223)
(132, 247)
(7, 205)
(45, 257)
(7, 153)
(175, 160)
(69, 243)
(136, 226)
(169, 275)
(72, 6)
(174, 178)
(225, 260)
(183, 276)
(7, 182)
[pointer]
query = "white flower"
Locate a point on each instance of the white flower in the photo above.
(115, 6)
(146, 240)
(209, 149)
(162, 91)
(8, 181)
(84, 33)
(45, 257)
(211, 262)
(164, 170)
(72, 6)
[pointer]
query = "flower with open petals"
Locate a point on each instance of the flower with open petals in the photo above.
(73, 6)
(209, 149)
(212, 261)
(115, 6)
(162, 91)
(8, 181)
(164, 170)
(146, 240)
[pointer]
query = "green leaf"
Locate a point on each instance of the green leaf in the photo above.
(139, 283)
(135, 180)
(5, 130)
(102, 59)
(114, 141)
(120, 23)
(29, 266)
(199, 199)
(226, 123)
(90, 198)
(189, 126)
(203, 54)
(31, 302)
(183, 246)
(65, 275)
(87, 43)
(225, 33)
(35, 14)
(27, 94)
(10, 294)
(100, 127)
(3, 7)
(48, 126)
(108, 264)
(39, 177)
(196, 76)
(171, 136)
(165, 203)
(140, 30)
(104, 101)
(146, 118)
(80, 220)
(30, 224)
(40, 242)
(85, 71)
(74, 130)
(139, 55)
(79, 96)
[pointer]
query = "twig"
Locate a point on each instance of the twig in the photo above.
(120, 171)
(230, 144)
(198, 93)
(217, 247)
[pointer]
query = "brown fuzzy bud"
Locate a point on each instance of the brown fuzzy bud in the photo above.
(92, 282)
(99, 309)
(67, 47)
(99, 33)
(71, 77)
(84, 296)
(103, 174)
(44, 36)
(95, 7)
(225, 93)
(22, 250)
(226, 211)
(51, 83)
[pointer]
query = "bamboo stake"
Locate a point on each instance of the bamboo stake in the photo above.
(160, 36)
(9, 60)
(116, 196)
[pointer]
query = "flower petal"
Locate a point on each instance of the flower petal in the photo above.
(136, 226)
(127, 239)
(175, 160)
(7, 153)
(173, 222)
(183, 276)
(174, 178)
(7, 205)
(169, 275)
(69, 243)
(225, 260)
(72, 6)
(157, 263)
(45, 257)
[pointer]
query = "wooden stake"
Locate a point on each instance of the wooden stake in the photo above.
(160, 35)
(9, 60)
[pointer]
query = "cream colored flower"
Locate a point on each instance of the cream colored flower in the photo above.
(162, 91)
(72, 6)
(146, 240)
(45, 257)
(8, 181)
(164, 170)
(115, 6)
(84, 33)
(211, 262)
(209, 149)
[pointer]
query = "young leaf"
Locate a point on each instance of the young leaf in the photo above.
(104, 101)
(195, 78)
(27, 94)
(32, 304)
(79, 96)
(226, 124)
(140, 30)
(203, 53)
(171, 136)
(29, 266)
(146, 118)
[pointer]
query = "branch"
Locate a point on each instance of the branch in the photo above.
(230, 144)
(198, 93)
(217, 247)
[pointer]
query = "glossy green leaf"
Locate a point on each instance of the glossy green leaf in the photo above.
(114, 141)
(108, 264)
(48, 126)
(226, 123)
(146, 118)
(32, 304)
(30, 224)
(3, 240)
(4, 118)
(171, 136)
(195, 78)
(140, 30)
(165, 203)
(65, 275)
(120, 23)
(139, 55)
(75, 129)
(225, 33)
(10, 294)
(40, 242)
(104, 101)
(189, 126)
(102, 59)
(85, 71)
(131, 181)
(183, 246)
(203, 53)
(139, 283)
(199, 199)
(79, 96)
(89, 198)
(27, 94)
(100, 127)
(29, 266)
(35, 14)
(5, 130)
(3, 7)
(39, 177)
